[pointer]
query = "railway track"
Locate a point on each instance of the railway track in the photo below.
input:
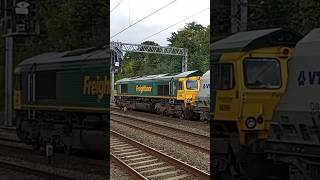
(144, 162)
(199, 135)
(188, 144)
(32, 171)
(23, 168)
(168, 119)
(8, 128)
(68, 166)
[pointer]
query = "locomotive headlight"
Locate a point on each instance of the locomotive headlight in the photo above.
(251, 122)
(284, 52)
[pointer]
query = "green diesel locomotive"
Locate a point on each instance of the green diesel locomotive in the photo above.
(165, 94)
(61, 98)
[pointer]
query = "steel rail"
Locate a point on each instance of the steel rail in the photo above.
(160, 125)
(128, 169)
(163, 136)
(164, 157)
(36, 172)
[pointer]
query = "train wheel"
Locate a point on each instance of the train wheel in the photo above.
(182, 116)
(164, 113)
(36, 146)
(157, 110)
(19, 131)
(67, 150)
(187, 114)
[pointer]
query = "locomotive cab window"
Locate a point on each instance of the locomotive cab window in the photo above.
(192, 84)
(262, 73)
(124, 88)
(180, 85)
(223, 78)
(45, 85)
(18, 82)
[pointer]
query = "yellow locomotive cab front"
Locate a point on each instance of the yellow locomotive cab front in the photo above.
(188, 89)
(249, 77)
(17, 90)
(250, 88)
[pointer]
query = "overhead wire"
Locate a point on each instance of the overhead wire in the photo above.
(154, 12)
(116, 6)
(174, 24)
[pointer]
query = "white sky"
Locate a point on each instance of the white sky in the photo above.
(177, 11)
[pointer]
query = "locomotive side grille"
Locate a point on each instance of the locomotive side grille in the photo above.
(163, 90)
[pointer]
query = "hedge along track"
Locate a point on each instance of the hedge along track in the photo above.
(144, 162)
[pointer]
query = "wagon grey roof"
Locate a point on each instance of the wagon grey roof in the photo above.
(303, 88)
(244, 41)
(74, 55)
(309, 45)
(162, 76)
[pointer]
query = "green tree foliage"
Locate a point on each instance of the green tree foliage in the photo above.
(193, 36)
(196, 39)
(64, 25)
(299, 15)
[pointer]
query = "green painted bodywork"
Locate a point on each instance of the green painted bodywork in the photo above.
(132, 87)
(153, 81)
(70, 82)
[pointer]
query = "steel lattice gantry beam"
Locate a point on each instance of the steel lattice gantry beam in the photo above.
(127, 47)
(119, 49)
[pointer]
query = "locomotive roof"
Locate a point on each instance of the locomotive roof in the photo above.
(162, 76)
(245, 41)
(81, 54)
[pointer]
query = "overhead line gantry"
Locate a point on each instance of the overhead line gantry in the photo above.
(118, 49)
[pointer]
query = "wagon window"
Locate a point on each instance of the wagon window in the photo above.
(262, 73)
(45, 85)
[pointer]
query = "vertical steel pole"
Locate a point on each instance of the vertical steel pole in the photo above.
(112, 85)
(244, 15)
(234, 13)
(8, 81)
(185, 59)
(239, 15)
